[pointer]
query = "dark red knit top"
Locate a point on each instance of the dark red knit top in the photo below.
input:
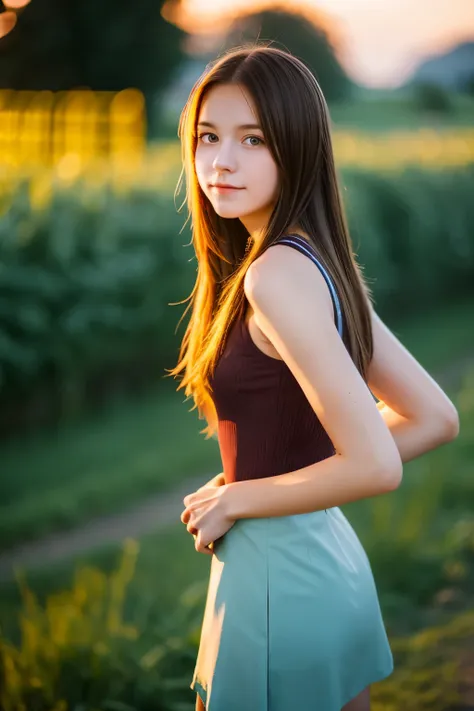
(266, 425)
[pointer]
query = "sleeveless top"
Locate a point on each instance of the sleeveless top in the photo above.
(266, 425)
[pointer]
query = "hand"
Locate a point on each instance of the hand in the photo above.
(206, 516)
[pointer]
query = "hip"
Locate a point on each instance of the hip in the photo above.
(319, 543)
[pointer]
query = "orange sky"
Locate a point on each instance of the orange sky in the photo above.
(380, 39)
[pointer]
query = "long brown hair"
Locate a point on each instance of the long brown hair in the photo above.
(295, 121)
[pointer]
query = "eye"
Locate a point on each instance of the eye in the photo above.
(201, 136)
(261, 141)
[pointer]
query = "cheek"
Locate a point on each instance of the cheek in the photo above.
(202, 169)
(264, 176)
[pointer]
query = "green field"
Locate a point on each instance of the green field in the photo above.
(380, 111)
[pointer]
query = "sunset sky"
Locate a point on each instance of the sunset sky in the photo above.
(380, 40)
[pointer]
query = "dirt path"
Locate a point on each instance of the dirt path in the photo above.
(158, 511)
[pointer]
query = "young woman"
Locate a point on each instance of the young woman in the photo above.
(282, 353)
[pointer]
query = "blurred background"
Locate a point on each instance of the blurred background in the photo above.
(101, 590)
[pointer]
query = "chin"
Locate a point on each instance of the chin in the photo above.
(228, 215)
(227, 212)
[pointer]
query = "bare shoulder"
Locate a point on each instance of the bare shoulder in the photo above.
(282, 269)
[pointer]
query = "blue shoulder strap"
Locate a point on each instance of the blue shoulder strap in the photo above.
(302, 246)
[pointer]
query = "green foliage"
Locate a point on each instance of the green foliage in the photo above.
(429, 96)
(77, 651)
(411, 232)
(86, 283)
(81, 649)
(431, 668)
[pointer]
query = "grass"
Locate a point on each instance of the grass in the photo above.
(103, 464)
(58, 479)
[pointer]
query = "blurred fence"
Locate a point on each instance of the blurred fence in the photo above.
(426, 148)
(41, 127)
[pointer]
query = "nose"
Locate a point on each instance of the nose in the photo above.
(224, 159)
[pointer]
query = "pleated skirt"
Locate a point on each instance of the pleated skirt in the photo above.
(292, 618)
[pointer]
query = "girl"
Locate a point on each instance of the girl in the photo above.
(281, 353)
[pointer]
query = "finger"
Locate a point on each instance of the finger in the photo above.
(192, 524)
(199, 544)
(194, 496)
(188, 512)
(194, 511)
(189, 498)
(203, 549)
(199, 497)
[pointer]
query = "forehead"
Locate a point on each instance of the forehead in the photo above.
(227, 104)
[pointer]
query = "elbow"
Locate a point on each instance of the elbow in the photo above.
(392, 476)
(389, 472)
(449, 425)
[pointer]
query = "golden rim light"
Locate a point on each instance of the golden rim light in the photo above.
(8, 18)
(7, 22)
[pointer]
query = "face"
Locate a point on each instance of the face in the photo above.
(231, 150)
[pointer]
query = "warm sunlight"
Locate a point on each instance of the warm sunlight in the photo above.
(381, 40)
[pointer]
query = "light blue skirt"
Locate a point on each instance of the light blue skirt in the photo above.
(292, 618)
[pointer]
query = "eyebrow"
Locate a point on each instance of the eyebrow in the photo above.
(245, 126)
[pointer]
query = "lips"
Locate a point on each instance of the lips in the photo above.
(222, 186)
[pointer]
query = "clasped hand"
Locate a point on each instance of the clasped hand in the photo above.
(206, 516)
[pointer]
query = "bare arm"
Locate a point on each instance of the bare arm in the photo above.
(419, 415)
(287, 292)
